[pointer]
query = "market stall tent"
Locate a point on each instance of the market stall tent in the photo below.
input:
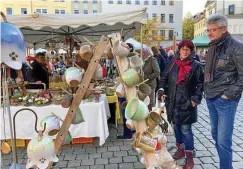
(38, 29)
(201, 41)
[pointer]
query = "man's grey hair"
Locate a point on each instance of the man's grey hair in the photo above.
(218, 19)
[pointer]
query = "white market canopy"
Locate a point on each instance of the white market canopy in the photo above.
(38, 29)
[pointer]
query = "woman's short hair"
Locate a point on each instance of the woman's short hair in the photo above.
(155, 50)
(187, 43)
(218, 19)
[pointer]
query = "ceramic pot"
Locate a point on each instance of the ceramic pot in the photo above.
(147, 100)
(68, 139)
(131, 77)
(67, 101)
(86, 52)
(41, 151)
(136, 110)
(52, 125)
(120, 49)
(124, 105)
(98, 74)
(130, 124)
(108, 54)
(153, 120)
(144, 142)
(143, 91)
(136, 62)
(73, 76)
(120, 92)
(78, 117)
(5, 148)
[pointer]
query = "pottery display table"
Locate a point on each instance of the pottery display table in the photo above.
(94, 114)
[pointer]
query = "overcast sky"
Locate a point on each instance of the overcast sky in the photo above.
(194, 6)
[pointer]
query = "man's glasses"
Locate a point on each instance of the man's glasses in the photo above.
(207, 31)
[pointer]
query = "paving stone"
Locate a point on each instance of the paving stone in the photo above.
(237, 148)
(107, 155)
(70, 157)
(79, 151)
(101, 149)
(74, 163)
(213, 151)
(94, 155)
(126, 147)
(126, 166)
(82, 157)
(101, 161)
(88, 146)
(97, 167)
(108, 144)
(240, 154)
(120, 153)
(132, 152)
(238, 165)
(111, 166)
(62, 163)
(90, 150)
(203, 154)
(87, 162)
(236, 157)
(118, 143)
(206, 160)
(197, 167)
(197, 161)
(115, 160)
(200, 147)
(208, 166)
(83, 167)
(130, 159)
(114, 148)
(216, 159)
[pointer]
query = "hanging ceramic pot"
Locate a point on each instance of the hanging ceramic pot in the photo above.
(5, 148)
(108, 54)
(120, 92)
(136, 110)
(40, 152)
(153, 120)
(98, 74)
(68, 139)
(52, 125)
(78, 117)
(86, 52)
(136, 62)
(73, 76)
(120, 49)
(131, 77)
(143, 91)
(145, 142)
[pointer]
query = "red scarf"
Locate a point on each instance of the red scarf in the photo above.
(184, 69)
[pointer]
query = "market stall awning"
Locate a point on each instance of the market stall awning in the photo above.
(40, 28)
(201, 40)
(136, 44)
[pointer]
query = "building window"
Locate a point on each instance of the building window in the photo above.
(171, 18)
(147, 15)
(162, 32)
(110, 2)
(210, 12)
(94, 11)
(76, 0)
(146, 2)
(119, 1)
(162, 18)
(44, 10)
(85, 1)
(171, 32)
(137, 2)
(76, 11)
(38, 10)
(23, 10)
(86, 12)
(9, 11)
(162, 2)
(171, 2)
(128, 1)
(62, 11)
(154, 2)
(231, 9)
(94, 1)
(154, 15)
(56, 11)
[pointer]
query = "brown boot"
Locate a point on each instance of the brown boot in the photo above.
(189, 160)
(180, 153)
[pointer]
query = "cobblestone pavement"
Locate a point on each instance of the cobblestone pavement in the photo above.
(119, 154)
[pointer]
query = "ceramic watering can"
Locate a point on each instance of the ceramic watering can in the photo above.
(120, 49)
(73, 76)
(52, 125)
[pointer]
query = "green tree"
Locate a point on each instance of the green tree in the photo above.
(188, 27)
(151, 33)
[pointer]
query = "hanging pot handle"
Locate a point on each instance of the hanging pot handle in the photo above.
(4, 17)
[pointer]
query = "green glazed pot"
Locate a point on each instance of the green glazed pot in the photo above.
(131, 77)
(78, 117)
(136, 110)
(68, 139)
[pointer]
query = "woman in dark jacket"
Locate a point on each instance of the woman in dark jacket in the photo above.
(184, 78)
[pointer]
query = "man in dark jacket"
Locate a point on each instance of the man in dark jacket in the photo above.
(223, 85)
(39, 72)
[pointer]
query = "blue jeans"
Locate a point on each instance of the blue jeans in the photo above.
(126, 131)
(183, 134)
(222, 115)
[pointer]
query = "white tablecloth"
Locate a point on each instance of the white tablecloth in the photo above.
(95, 116)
